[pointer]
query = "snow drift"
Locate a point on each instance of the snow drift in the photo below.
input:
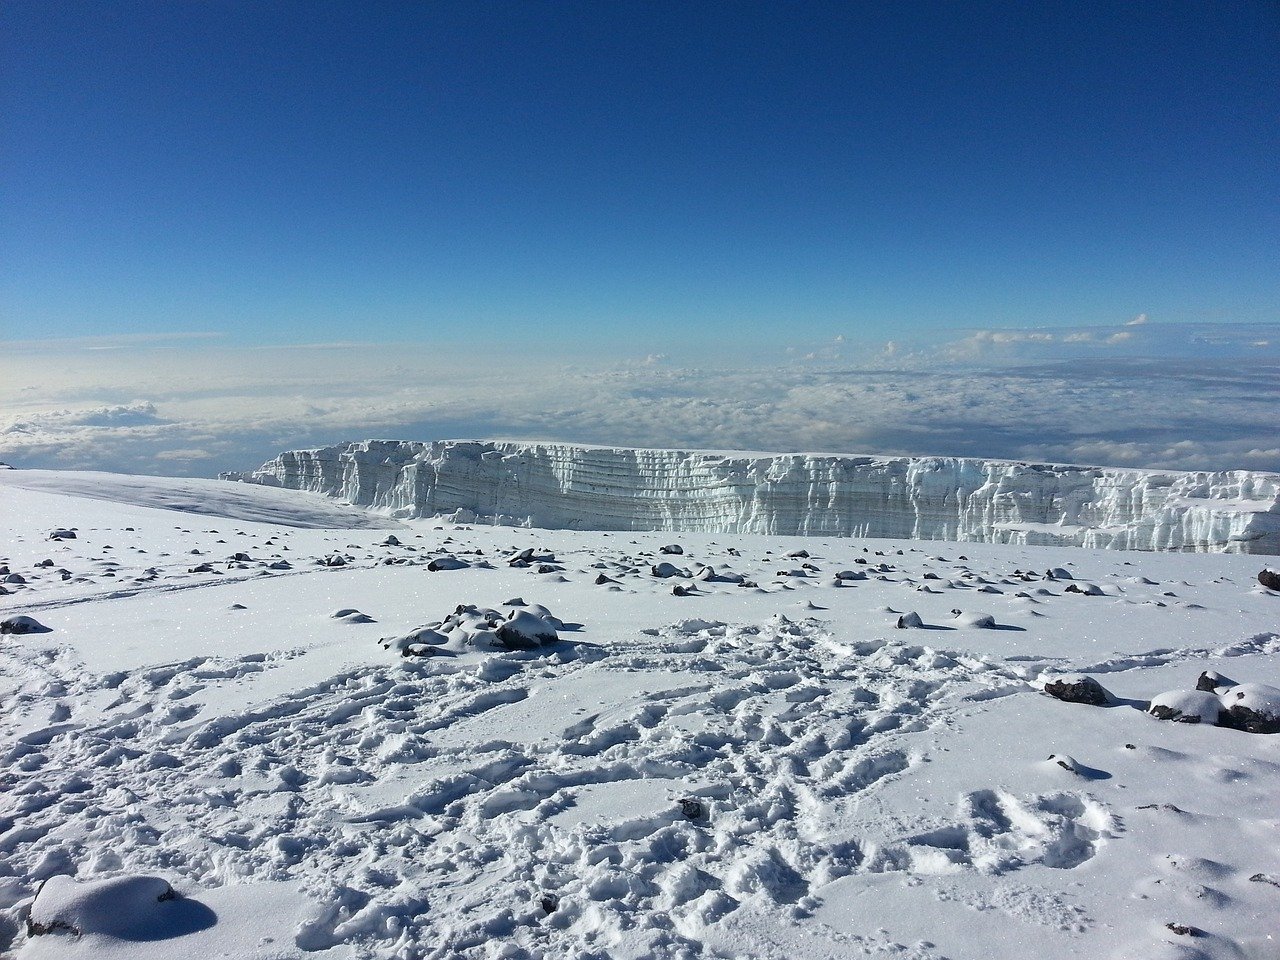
(925, 498)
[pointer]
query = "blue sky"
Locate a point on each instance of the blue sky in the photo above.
(1038, 231)
(287, 172)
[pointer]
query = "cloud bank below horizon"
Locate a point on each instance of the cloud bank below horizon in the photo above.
(1141, 394)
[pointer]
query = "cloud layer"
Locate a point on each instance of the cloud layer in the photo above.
(1138, 394)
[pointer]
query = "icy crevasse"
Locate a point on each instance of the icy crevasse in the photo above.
(927, 498)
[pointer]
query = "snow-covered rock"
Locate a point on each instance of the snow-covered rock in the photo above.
(1186, 706)
(124, 907)
(21, 623)
(1254, 707)
(936, 498)
(525, 630)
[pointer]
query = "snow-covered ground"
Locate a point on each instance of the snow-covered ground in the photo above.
(758, 769)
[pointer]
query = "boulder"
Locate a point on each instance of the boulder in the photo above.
(1252, 707)
(665, 570)
(1269, 579)
(130, 908)
(447, 563)
(524, 630)
(1079, 690)
(1186, 706)
(982, 621)
(909, 621)
(22, 624)
(672, 549)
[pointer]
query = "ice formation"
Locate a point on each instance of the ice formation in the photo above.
(925, 498)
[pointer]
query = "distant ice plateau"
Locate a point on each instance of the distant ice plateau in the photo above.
(564, 486)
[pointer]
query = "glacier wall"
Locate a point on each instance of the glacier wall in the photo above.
(926, 498)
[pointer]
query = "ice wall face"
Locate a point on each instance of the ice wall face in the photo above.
(926, 498)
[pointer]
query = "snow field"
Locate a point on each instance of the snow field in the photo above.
(770, 769)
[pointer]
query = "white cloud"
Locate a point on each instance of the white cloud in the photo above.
(211, 410)
(1137, 321)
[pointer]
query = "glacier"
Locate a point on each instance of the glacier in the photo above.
(567, 486)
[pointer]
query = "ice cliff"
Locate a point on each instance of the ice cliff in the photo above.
(926, 498)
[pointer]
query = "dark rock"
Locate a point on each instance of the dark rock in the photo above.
(525, 631)
(1251, 707)
(1080, 690)
(601, 580)
(672, 550)
(1269, 579)
(22, 624)
(1250, 721)
(664, 570)
(447, 563)
(1210, 680)
(549, 903)
(1183, 930)
(201, 568)
(692, 808)
(909, 621)
(1172, 713)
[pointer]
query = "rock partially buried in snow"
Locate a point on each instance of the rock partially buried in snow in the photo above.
(22, 624)
(909, 621)
(447, 563)
(525, 630)
(1213, 682)
(135, 908)
(1252, 707)
(664, 571)
(1186, 706)
(1269, 578)
(983, 621)
(351, 615)
(422, 642)
(1078, 690)
(1085, 589)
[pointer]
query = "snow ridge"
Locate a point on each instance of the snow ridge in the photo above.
(559, 486)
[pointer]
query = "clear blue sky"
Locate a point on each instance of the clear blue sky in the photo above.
(289, 172)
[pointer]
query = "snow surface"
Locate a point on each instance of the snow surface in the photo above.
(924, 498)
(764, 767)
